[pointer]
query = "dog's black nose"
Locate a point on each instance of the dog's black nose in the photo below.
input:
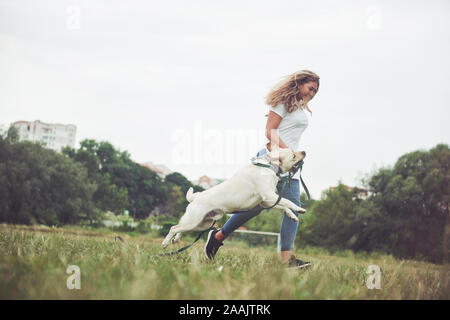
(304, 153)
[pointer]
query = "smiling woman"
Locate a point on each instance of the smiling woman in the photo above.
(289, 95)
(295, 91)
(285, 124)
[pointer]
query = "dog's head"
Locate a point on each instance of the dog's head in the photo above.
(285, 158)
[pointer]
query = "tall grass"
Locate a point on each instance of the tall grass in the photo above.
(33, 264)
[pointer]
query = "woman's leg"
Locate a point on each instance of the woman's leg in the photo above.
(237, 220)
(288, 226)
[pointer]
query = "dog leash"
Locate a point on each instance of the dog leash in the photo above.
(117, 237)
(191, 244)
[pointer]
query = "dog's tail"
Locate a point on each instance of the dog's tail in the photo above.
(190, 196)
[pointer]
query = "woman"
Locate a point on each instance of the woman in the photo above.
(285, 124)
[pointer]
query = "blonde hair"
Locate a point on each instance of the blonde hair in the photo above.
(286, 90)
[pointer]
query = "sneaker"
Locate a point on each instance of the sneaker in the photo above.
(212, 245)
(297, 263)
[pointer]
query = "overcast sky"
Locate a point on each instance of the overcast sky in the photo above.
(183, 83)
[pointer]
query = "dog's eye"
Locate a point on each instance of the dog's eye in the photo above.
(293, 156)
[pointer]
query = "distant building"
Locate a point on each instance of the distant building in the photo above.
(53, 136)
(359, 192)
(206, 182)
(160, 169)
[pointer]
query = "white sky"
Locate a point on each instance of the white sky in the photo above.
(183, 83)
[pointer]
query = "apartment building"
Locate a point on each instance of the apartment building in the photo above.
(53, 136)
(359, 192)
(160, 169)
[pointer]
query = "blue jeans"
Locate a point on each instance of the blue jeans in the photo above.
(288, 227)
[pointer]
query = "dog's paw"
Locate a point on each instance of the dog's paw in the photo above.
(291, 215)
(164, 245)
(301, 211)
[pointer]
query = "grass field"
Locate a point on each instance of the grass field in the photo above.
(34, 261)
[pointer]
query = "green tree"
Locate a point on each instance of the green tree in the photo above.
(413, 199)
(12, 135)
(109, 197)
(329, 223)
(176, 202)
(40, 186)
(123, 183)
(176, 181)
(179, 180)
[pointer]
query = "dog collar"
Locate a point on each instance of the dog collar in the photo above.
(275, 168)
(285, 178)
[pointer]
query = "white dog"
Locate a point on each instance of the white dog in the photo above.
(250, 186)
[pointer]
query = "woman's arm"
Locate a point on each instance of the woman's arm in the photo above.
(273, 121)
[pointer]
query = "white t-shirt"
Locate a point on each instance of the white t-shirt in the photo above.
(291, 128)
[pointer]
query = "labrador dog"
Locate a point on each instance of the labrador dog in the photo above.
(250, 186)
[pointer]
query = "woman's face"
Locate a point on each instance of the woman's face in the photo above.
(308, 90)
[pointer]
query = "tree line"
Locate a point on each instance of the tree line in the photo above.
(406, 213)
(41, 186)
